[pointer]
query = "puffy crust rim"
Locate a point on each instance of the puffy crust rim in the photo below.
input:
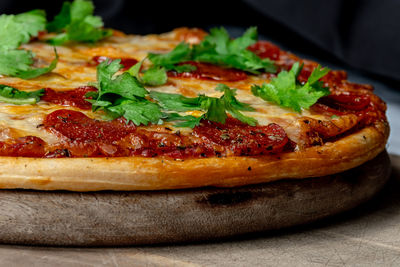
(137, 173)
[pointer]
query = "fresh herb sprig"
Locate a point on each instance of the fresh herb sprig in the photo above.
(76, 22)
(14, 31)
(14, 96)
(216, 109)
(217, 48)
(124, 95)
(286, 91)
(154, 76)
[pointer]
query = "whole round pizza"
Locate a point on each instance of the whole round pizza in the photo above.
(85, 108)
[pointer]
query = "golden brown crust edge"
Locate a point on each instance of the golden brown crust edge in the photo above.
(137, 173)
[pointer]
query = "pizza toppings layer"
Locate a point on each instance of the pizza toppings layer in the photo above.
(183, 94)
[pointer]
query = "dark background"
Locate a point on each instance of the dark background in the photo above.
(362, 35)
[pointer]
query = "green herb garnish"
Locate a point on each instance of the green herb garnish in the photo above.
(14, 31)
(215, 109)
(154, 76)
(14, 96)
(76, 22)
(217, 48)
(123, 96)
(286, 91)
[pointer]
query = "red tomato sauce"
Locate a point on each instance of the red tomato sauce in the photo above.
(82, 136)
(207, 71)
(72, 98)
(27, 146)
(265, 49)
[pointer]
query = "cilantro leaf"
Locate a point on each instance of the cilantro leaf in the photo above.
(176, 102)
(18, 29)
(14, 31)
(233, 106)
(137, 111)
(78, 23)
(123, 96)
(61, 20)
(153, 77)
(218, 48)
(215, 109)
(124, 85)
(286, 91)
(14, 61)
(17, 63)
(14, 96)
(180, 53)
(35, 72)
(184, 121)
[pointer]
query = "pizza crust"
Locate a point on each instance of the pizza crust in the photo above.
(138, 173)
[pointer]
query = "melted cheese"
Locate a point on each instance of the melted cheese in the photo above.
(74, 70)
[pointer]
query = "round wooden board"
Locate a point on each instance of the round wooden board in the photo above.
(126, 218)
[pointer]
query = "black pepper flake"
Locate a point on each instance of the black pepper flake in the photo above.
(249, 168)
(168, 129)
(40, 125)
(225, 136)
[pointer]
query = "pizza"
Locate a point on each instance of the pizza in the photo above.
(181, 109)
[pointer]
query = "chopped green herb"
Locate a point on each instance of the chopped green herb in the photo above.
(182, 52)
(286, 91)
(215, 109)
(123, 96)
(188, 121)
(153, 77)
(18, 29)
(14, 31)
(218, 48)
(14, 96)
(35, 72)
(76, 22)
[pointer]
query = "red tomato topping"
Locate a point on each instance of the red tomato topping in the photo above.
(346, 101)
(88, 137)
(76, 126)
(237, 138)
(265, 49)
(73, 98)
(126, 62)
(28, 146)
(207, 71)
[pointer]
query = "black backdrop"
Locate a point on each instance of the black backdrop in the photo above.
(364, 34)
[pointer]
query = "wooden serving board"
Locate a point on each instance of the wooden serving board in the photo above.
(126, 218)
